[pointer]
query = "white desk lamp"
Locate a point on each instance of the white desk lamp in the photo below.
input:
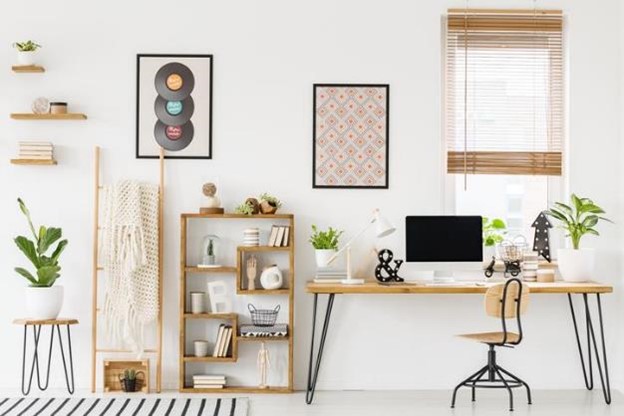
(383, 227)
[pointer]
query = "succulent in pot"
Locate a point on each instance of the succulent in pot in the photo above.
(577, 219)
(26, 52)
(269, 204)
(44, 299)
(130, 381)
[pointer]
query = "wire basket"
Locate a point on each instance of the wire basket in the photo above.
(263, 317)
(513, 250)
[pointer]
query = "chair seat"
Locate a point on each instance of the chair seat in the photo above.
(492, 337)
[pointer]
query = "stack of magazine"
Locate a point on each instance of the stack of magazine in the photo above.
(330, 275)
(208, 381)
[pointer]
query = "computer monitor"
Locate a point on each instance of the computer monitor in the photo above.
(444, 243)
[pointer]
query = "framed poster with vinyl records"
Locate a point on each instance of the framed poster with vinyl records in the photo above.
(174, 106)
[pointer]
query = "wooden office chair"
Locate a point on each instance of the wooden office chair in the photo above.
(505, 301)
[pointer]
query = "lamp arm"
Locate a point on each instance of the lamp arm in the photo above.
(351, 241)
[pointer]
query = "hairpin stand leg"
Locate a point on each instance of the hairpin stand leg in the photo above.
(591, 341)
(313, 371)
(70, 386)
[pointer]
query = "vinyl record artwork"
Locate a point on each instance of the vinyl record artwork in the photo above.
(351, 135)
(174, 106)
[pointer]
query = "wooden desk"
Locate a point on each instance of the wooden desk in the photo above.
(421, 288)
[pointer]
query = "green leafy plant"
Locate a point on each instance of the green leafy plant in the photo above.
(129, 374)
(578, 218)
(28, 46)
(47, 268)
(325, 240)
(493, 231)
(271, 200)
(245, 208)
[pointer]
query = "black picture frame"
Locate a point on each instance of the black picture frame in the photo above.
(315, 86)
(138, 103)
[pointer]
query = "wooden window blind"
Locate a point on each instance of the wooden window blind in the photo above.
(504, 84)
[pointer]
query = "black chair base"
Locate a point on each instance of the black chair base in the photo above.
(492, 376)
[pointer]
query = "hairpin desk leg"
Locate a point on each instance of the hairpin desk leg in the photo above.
(313, 372)
(588, 374)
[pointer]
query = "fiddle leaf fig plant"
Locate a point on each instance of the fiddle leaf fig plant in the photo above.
(46, 266)
(578, 218)
(325, 240)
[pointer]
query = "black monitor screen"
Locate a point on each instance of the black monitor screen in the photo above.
(443, 239)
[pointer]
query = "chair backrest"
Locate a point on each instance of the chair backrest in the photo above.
(507, 301)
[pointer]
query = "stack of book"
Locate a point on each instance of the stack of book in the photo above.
(208, 381)
(329, 275)
(224, 339)
(253, 331)
(280, 236)
(36, 150)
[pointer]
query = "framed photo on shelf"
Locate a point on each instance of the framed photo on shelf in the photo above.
(174, 106)
(351, 136)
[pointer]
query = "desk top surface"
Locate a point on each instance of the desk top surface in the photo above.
(421, 287)
(57, 321)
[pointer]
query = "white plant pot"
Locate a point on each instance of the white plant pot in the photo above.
(323, 257)
(26, 58)
(44, 302)
(576, 265)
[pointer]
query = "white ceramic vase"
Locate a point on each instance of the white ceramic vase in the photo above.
(576, 265)
(200, 348)
(271, 278)
(44, 302)
(26, 58)
(323, 257)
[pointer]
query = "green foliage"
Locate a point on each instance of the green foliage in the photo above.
(273, 201)
(578, 218)
(46, 267)
(245, 208)
(28, 46)
(210, 248)
(130, 374)
(325, 240)
(493, 231)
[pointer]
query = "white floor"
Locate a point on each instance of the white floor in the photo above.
(417, 403)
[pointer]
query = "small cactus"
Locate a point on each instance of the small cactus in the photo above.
(130, 374)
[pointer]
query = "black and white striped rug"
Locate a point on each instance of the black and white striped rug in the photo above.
(122, 406)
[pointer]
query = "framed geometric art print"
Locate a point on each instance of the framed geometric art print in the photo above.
(174, 106)
(351, 132)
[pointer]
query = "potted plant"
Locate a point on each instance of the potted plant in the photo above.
(269, 204)
(494, 230)
(579, 218)
(251, 206)
(43, 299)
(26, 52)
(129, 380)
(325, 243)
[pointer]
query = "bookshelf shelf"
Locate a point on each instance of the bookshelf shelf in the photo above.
(49, 116)
(23, 69)
(185, 317)
(40, 162)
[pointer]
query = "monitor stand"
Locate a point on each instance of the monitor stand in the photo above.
(443, 277)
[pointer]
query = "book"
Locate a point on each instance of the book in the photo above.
(207, 386)
(37, 157)
(280, 236)
(221, 345)
(228, 339)
(215, 352)
(33, 143)
(285, 241)
(209, 380)
(273, 236)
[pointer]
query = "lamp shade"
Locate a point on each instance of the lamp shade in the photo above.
(383, 227)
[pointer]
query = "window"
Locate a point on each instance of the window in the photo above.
(504, 125)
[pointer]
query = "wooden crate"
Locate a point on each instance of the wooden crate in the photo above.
(113, 368)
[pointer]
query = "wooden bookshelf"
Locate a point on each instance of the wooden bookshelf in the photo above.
(40, 162)
(185, 316)
(48, 116)
(23, 69)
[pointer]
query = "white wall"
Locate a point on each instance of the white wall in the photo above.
(267, 55)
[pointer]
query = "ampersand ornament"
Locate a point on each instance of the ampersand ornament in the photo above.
(385, 256)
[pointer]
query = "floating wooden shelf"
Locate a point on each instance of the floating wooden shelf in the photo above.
(22, 69)
(224, 316)
(193, 359)
(262, 248)
(33, 161)
(262, 339)
(48, 116)
(240, 216)
(224, 269)
(238, 389)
